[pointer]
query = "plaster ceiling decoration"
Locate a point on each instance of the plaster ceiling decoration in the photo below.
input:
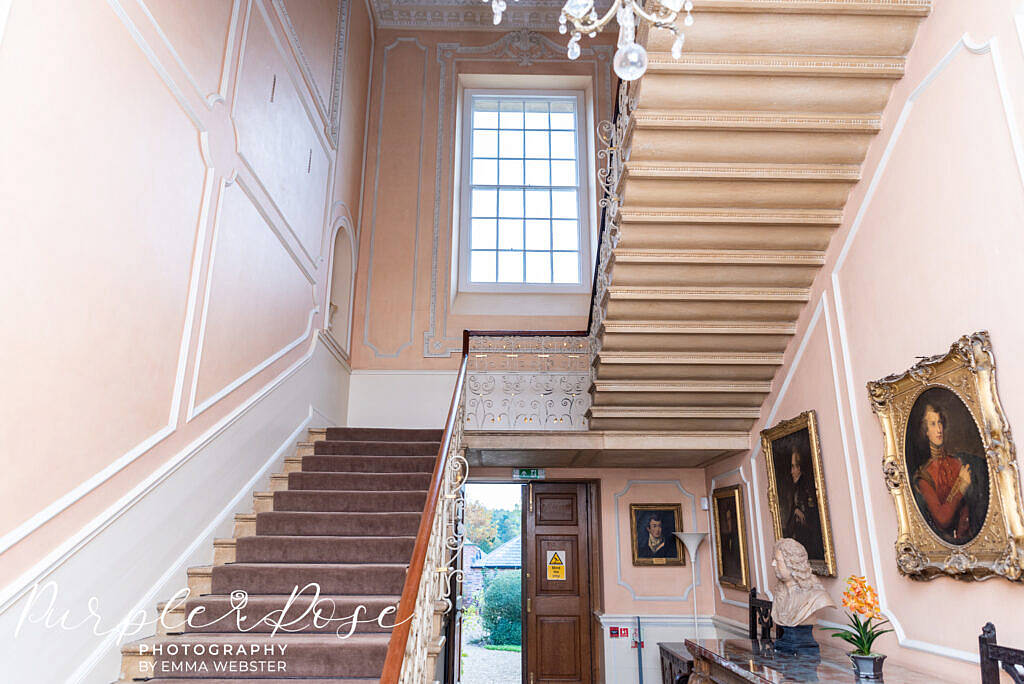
(541, 15)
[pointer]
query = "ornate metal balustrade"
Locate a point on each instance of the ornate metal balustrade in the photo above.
(528, 383)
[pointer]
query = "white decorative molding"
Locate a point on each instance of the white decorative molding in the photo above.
(303, 96)
(194, 409)
(524, 48)
(454, 15)
(178, 567)
(38, 572)
(5, 10)
(367, 317)
(342, 223)
(694, 583)
(220, 94)
(965, 43)
(51, 511)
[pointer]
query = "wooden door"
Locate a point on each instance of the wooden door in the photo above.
(557, 584)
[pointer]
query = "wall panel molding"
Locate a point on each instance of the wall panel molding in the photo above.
(694, 583)
(738, 472)
(58, 506)
(367, 316)
(194, 409)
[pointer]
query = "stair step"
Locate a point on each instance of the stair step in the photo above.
(283, 578)
(323, 549)
(326, 463)
(335, 613)
(360, 448)
(383, 435)
(349, 501)
(305, 655)
(290, 680)
(308, 480)
(336, 524)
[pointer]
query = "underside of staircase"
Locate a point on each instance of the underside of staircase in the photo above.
(344, 514)
(738, 159)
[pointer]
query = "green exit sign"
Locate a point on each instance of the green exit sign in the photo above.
(528, 473)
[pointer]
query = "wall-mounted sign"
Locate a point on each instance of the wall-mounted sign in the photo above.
(556, 565)
(528, 473)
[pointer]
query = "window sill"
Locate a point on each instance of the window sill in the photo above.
(522, 304)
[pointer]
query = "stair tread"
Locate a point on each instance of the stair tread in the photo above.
(307, 566)
(289, 680)
(330, 640)
(329, 537)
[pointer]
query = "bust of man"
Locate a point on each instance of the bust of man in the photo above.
(799, 594)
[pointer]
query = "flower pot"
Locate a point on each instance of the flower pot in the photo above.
(867, 668)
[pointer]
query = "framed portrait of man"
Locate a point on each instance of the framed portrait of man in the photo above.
(730, 537)
(796, 489)
(951, 466)
(652, 528)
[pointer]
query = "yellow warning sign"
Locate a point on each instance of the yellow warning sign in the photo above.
(556, 565)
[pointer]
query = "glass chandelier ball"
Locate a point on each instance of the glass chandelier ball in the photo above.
(630, 62)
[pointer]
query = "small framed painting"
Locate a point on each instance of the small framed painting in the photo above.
(731, 537)
(651, 528)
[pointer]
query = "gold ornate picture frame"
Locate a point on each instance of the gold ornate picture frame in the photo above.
(951, 466)
(796, 489)
(660, 520)
(731, 537)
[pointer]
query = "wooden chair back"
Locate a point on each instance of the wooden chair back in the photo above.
(994, 656)
(760, 617)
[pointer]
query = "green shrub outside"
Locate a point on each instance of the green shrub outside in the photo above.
(502, 609)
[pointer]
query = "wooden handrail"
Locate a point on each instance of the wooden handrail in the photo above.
(407, 604)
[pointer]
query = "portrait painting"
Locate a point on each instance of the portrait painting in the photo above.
(796, 489)
(951, 466)
(730, 537)
(652, 528)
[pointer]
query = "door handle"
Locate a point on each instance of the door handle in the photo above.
(528, 605)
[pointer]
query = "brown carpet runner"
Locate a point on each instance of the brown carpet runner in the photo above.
(346, 521)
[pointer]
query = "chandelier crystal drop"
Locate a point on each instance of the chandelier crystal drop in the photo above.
(630, 61)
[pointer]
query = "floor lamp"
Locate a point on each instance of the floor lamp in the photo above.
(692, 542)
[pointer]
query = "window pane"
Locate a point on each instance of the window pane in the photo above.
(565, 235)
(538, 267)
(511, 203)
(512, 144)
(538, 203)
(482, 267)
(563, 173)
(537, 144)
(511, 114)
(485, 172)
(485, 143)
(485, 113)
(483, 234)
(563, 204)
(566, 267)
(537, 172)
(510, 267)
(563, 145)
(510, 234)
(536, 114)
(563, 114)
(511, 172)
(538, 235)
(484, 203)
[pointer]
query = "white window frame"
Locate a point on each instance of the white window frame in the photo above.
(585, 193)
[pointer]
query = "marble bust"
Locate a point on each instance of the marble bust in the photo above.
(799, 594)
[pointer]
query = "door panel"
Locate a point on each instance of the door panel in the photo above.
(558, 642)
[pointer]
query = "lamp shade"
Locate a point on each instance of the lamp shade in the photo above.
(692, 542)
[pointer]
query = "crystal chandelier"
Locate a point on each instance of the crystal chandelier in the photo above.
(630, 61)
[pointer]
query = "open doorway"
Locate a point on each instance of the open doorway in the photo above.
(492, 588)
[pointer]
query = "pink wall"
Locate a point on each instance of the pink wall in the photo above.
(630, 590)
(171, 232)
(928, 251)
(402, 301)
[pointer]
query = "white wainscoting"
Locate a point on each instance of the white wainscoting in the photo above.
(400, 398)
(141, 546)
(620, 658)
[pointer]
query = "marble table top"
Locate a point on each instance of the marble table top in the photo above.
(757, 662)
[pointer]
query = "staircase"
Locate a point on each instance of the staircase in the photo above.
(737, 161)
(344, 514)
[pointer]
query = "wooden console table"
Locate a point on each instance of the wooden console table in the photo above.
(743, 661)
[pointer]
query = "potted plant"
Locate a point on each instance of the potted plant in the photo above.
(866, 624)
